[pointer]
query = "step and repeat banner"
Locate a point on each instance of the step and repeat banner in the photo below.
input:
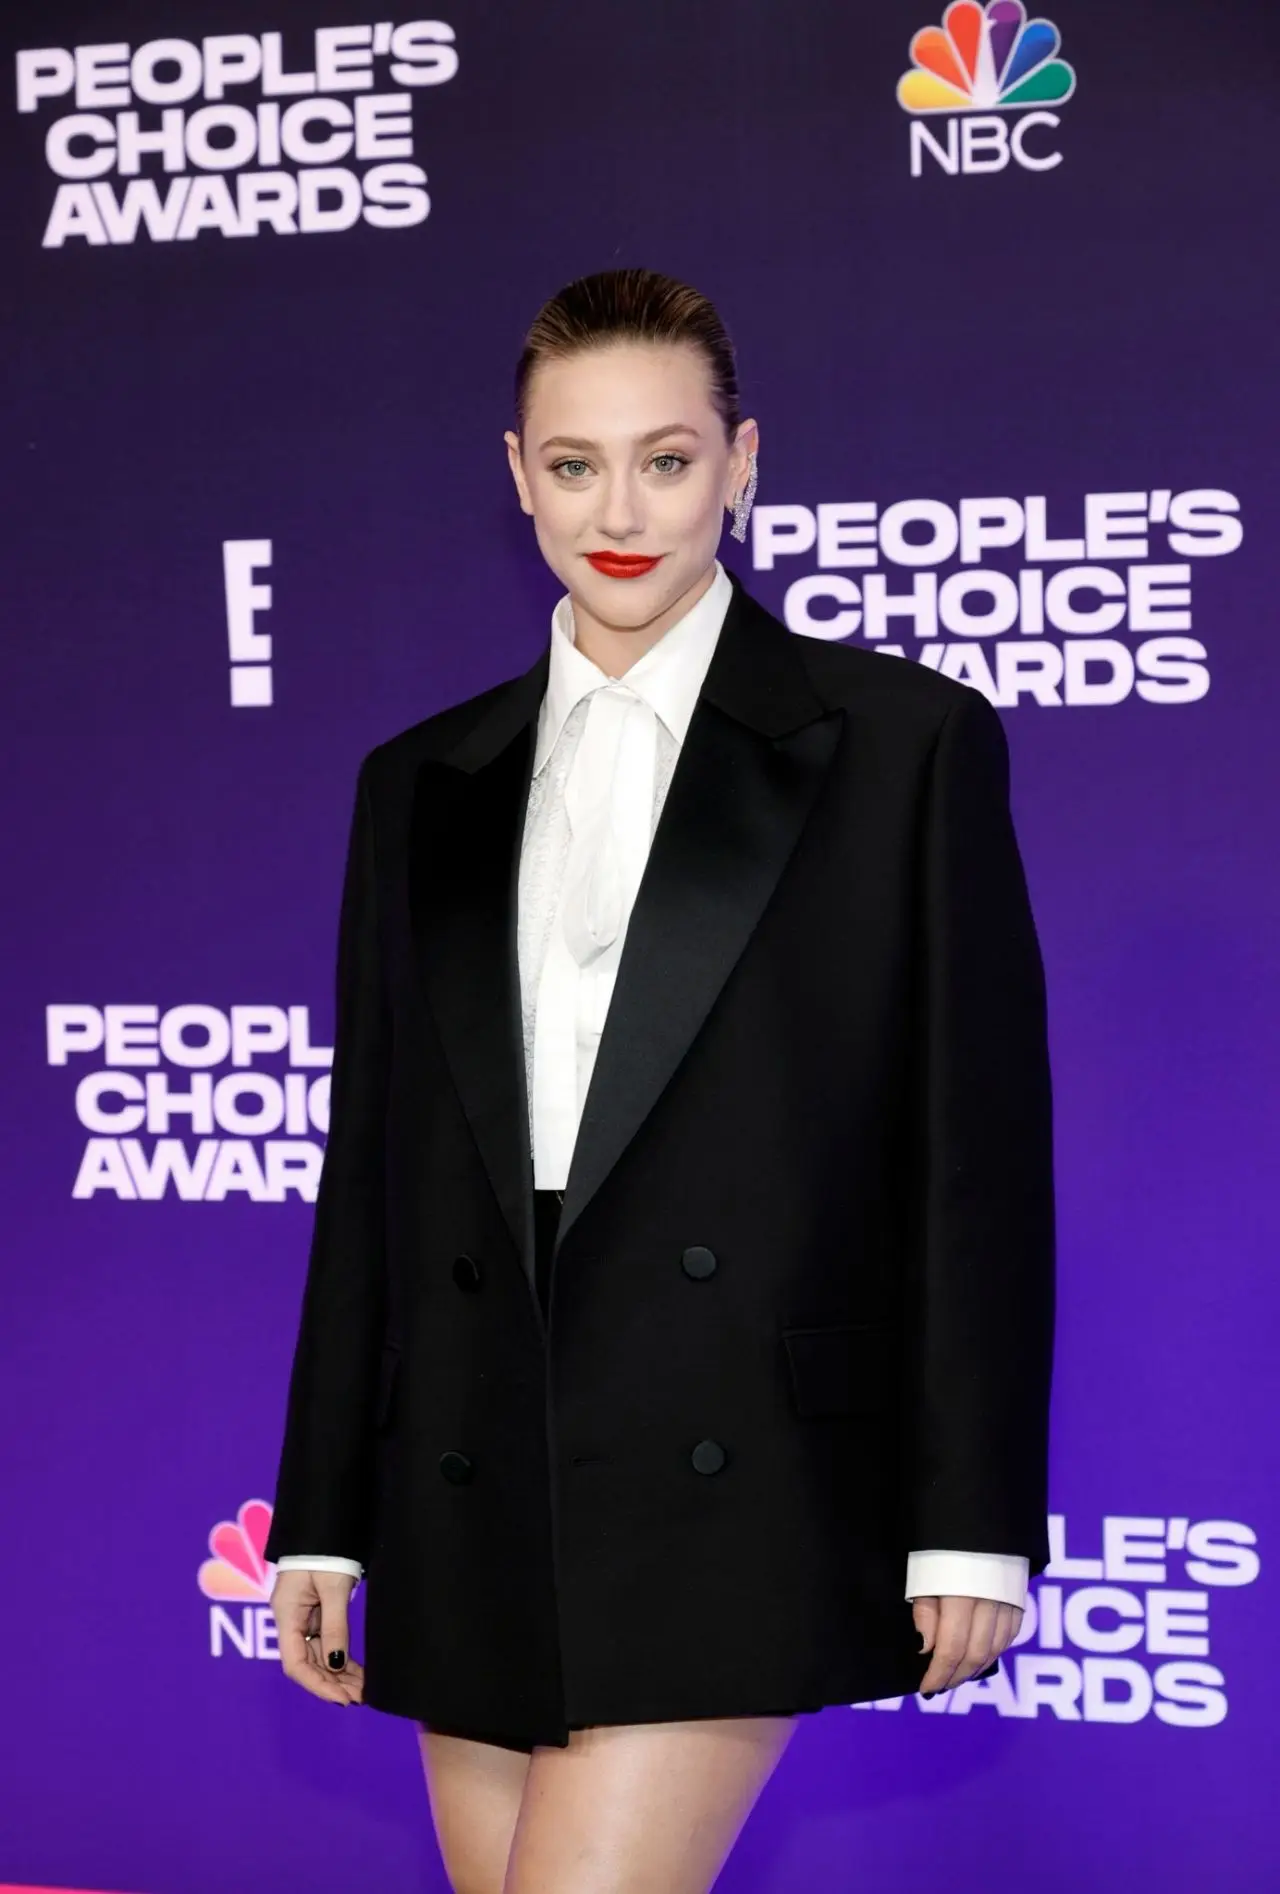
(1004, 294)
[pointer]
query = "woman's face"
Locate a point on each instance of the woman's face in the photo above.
(623, 453)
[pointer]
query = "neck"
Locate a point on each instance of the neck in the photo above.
(615, 648)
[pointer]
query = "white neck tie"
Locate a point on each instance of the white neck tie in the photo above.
(609, 803)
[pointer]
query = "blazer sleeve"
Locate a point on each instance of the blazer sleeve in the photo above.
(324, 1487)
(984, 1284)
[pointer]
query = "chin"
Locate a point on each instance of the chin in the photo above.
(619, 602)
(629, 612)
(631, 603)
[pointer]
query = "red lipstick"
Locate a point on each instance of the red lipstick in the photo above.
(621, 565)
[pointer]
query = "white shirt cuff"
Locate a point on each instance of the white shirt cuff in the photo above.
(300, 1562)
(998, 1575)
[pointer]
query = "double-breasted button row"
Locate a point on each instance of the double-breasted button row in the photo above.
(697, 1262)
(707, 1457)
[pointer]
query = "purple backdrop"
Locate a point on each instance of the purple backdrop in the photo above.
(1010, 335)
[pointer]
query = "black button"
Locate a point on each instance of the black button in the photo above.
(698, 1262)
(708, 1456)
(466, 1272)
(456, 1468)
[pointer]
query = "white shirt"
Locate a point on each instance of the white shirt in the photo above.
(605, 753)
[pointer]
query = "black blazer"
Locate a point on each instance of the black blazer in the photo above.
(802, 1297)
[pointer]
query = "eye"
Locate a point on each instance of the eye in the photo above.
(568, 469)
(674, 462)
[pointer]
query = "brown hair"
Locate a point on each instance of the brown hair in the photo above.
(631, 305)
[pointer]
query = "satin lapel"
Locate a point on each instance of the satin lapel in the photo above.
(464, 860)
(754, 757)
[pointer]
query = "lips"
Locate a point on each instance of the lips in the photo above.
(621, 565)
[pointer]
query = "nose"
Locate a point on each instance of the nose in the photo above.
(621, 514)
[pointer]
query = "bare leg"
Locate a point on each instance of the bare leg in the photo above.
(649, 1808)
(474, 1790)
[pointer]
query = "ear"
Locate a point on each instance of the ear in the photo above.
(745, 442)
(516, 463)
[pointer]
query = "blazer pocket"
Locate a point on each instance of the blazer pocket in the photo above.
(388, 1372)
(844, 1368)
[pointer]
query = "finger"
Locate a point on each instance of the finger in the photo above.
(351, 1671)
(313, 1632)
(981, 1637)
(997, 1626)
(1007, 1625)
(952, 1641)
(293, 1615)
(351, 1681)
(924, 1612)
(333, 1642)
(981, 1632)
(295, 1607)
(295, 1652)
(341, 1686)
(1001, 1632)
(345, 1685)
(321, 1685)
(301, 1668)
(957, 1634)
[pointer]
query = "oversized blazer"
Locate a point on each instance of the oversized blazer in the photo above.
(801, 1303)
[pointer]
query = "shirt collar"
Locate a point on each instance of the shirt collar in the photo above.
(669, 676)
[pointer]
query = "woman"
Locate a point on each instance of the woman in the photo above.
(674, 1379)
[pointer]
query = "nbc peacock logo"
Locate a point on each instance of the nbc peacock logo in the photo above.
(238, 1579)
(984, 61)
(236, 1568)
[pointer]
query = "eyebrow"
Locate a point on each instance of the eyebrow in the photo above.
(645, 440)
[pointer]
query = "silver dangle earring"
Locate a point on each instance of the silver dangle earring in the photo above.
(742, 505)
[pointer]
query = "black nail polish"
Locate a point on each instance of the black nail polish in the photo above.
(337, 1659)
(928, 1695)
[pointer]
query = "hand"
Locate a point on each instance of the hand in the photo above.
(316, 1603)
(964, 1634)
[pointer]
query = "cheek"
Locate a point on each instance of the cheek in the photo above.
(546, 522)
(694, 504)
(557, 509)
(557, 526)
